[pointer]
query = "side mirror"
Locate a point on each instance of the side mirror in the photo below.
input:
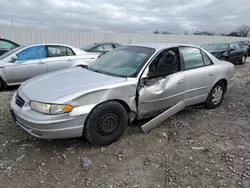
(231, 50)
(150, 74)
(13, 58)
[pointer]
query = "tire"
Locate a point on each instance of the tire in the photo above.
(106, 123)
(211, 102)
(243, 60)
(1, 84)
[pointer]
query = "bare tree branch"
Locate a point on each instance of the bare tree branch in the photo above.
(243, 30)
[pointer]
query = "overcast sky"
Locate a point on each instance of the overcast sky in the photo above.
(176, 16)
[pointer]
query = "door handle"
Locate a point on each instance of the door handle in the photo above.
(211, 73)
(41, 62)
(70, 60)
(180, 82)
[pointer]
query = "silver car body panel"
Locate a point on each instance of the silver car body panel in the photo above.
(85, 89)
(14, 73)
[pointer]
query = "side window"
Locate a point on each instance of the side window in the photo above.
(99, 48)
(4, 45)
(56, 51)
(165, 63)
(232, 46)
(105, 47)
(207, 60)
(238, 47)
(32, 53)
(108, 47)
(192, 57)
(70, 52)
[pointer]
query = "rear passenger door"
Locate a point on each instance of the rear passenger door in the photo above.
(199, 74)
(59, 57)
(240, 51)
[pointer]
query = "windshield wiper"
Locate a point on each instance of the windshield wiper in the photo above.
(107, 73)
(95, 70)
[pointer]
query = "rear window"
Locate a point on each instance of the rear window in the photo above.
(89, 47)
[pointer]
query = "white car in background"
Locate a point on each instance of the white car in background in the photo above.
(25, 62)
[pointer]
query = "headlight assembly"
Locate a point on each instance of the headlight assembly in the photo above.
(50, 108)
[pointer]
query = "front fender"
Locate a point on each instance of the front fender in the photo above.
(85, 102)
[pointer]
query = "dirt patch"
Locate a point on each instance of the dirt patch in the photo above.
(196, 148)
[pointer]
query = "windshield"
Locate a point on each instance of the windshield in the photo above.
(89, 47)
(10, 52)
(215, 47)
(125, 61)
(244, 43)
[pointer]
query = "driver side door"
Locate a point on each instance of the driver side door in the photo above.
(163, 86)
(232, 54)
(30, 62)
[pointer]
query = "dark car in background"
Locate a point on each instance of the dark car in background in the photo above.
(102, 48)
(245, 44)
(7, 45)
(231, 52)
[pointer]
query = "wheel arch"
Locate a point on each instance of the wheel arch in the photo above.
(224, 81)
(123, 103)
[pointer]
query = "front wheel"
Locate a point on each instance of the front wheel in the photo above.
(106, 123)
(216, 96)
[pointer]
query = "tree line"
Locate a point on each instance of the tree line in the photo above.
(241, 31)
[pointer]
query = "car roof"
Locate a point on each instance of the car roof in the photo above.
(100, 43)
(159, 46)
(53, 44)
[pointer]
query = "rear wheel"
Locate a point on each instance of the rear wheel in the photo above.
(243, 60)
(216, 95)
(106, 123)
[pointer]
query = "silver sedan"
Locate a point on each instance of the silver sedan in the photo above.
(130, 82)
(25, 62)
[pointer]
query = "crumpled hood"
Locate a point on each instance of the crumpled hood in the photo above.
(51, 86)
(217, 53)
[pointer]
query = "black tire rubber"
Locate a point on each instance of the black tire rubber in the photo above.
(209, 104)
(241, 62)
(1, 84)
(92, 131)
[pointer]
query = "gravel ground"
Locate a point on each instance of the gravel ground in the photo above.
(194, 149)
